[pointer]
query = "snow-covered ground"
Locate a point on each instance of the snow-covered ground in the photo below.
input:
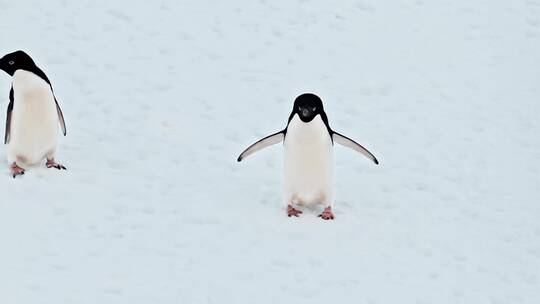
(161, 98)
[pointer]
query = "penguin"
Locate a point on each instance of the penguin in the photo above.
(33, 115)
(308, 166)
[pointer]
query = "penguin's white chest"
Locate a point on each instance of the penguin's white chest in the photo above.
(308, 163)
(34, 120)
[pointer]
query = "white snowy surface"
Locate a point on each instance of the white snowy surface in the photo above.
(161, 98)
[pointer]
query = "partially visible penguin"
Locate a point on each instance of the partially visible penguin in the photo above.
(308, 161)
(33, 115)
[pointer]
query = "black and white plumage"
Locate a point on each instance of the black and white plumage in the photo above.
(33, 114)
(308, 158)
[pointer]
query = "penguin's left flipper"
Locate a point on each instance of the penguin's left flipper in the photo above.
(347, 142)
(8, 117)
(60, 117)
(269, 140)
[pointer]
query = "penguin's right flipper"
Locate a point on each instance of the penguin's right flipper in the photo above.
(8, 118)
(269, 140)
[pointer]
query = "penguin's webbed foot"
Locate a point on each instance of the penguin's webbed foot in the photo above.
(291, 211)
(16, 170)
(327, 214)
(52, 164)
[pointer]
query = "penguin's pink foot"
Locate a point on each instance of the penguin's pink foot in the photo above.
(52, 164)
(291, 211)
(16, 170)
(327, 214)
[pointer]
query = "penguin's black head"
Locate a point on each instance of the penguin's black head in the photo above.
(307, 106)
(16, 61)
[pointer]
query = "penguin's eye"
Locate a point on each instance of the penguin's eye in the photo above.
(299, 108)
(11, 62)
(313, 109)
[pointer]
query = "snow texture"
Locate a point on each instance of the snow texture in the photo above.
(160, 98)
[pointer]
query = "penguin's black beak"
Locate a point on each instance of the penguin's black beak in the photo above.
(305, 112)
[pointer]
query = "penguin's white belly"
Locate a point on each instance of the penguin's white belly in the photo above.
(308, 163)
(34, 120)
